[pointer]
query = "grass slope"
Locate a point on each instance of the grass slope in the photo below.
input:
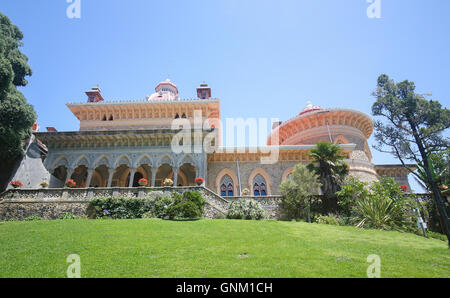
(207, 248)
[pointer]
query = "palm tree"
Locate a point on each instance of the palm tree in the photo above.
(329, 165)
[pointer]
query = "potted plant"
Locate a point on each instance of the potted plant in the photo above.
(143, 182)
(168, 182)
(16, 184)
(245, 192)
(199, 181)
(404, 187)
(71, 183)
(44, 184)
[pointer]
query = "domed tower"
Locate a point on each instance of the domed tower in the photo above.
(340, 126)
(165, 91)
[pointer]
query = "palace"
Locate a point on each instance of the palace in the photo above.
(120, 142)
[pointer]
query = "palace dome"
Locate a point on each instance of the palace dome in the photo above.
(165, 91)
(310, 108)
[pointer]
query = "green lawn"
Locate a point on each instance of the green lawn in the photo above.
(213, 248)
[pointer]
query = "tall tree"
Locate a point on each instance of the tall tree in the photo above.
(412, 131)
(16, 115)
(297, 192)
(329, 165)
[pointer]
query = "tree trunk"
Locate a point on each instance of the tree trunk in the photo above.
(436, 192)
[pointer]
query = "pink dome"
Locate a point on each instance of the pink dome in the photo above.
(310, 108)
(165, 91)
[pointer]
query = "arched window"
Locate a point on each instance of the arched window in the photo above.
(177, 116)
(111, 118)
(230, 190)
(259, 186)
(256, 190)
(226, 186)
(184, 116)
(104, 118)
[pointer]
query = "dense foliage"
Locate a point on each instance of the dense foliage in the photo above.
(16, 115)
(380, 205)
(298, 191)
(246, 209)
(329, 165)
(412, 130)
(190, 204)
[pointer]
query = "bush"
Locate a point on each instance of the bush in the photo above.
(328, 220)
(118, 208)
(157, 205)
(246, 209)
(190, 204)
(297, 194)
(438, 236)
(33, 218)
(380, 205)
(68, 215)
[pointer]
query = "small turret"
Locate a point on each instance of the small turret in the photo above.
(204, 92)
(94, 95)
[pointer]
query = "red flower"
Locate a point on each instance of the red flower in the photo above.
(143, 182)
(70, 183)
(404, 187)
(16, 183)
(199, 181)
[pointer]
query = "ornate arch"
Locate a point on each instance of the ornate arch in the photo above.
(165, 159)
(82, 160)
(286, 173)
(123, 160)
(144, 159)
(102, 160)
(266, 177)
(187, 158)
(233, 177)
(60, 161)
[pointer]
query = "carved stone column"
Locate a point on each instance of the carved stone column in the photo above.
(89, 177)
(154, 170)
(132, 172)
(69, 174)
(110, 177)
(175, 177)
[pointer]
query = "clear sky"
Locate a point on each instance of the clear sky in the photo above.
(262, 58)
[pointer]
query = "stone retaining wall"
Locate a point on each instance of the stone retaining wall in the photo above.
(51, 203)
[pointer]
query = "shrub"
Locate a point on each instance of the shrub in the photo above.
(352, 191)
(246, 209)
(68, 215)
(33, 218)
(438, 236)
(190, 204)
(328, 220)
(118, 208)
(157, 204)
(297, 192)
(380, 205)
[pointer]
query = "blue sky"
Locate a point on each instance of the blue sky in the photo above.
(262, 58)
